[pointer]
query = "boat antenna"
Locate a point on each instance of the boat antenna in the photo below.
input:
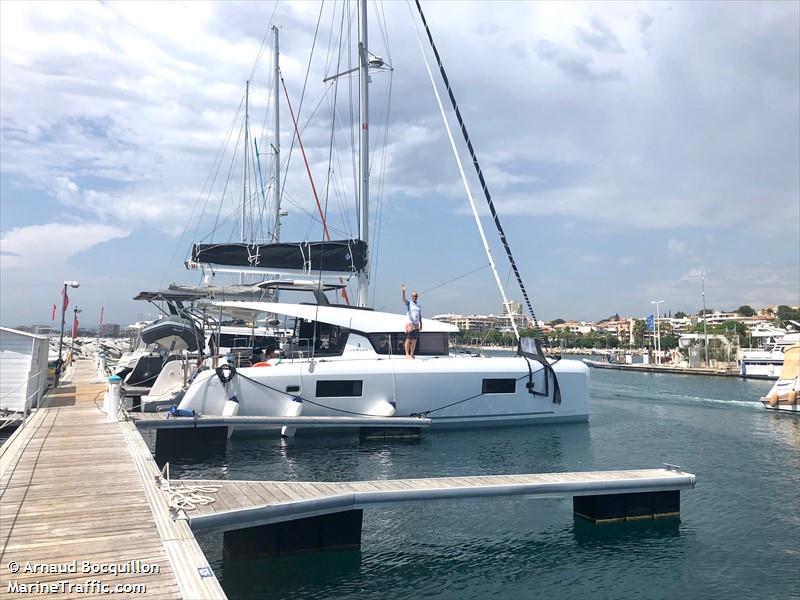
(503, 239)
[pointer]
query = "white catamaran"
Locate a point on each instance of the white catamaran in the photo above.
(343, 360)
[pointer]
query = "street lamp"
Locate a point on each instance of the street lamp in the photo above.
(658, 330)
(73, 284)
(705, 316)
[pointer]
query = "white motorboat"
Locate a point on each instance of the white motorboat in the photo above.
(767, 363)
(785, 394)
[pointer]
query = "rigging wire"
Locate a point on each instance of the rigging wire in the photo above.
(537, 331)
(381, 181)
(225, 188)
(467, 274)
(327, 187)
(263, 40)
(218, 162)
(311, 178)
(302, 95)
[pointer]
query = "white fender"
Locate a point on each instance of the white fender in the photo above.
(382, 408)
(293, 409)
(231, 409)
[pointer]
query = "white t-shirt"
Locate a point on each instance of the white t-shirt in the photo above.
(414, 313)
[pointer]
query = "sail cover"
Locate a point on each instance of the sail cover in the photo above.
(334, 255)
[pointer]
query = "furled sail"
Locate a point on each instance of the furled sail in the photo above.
(335, 255)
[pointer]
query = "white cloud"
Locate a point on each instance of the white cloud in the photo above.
(54, 243)
(728, 287)
(142, 94)
(609, 117)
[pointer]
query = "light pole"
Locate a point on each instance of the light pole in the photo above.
(73, 284)
(658, 330)
(705, 330)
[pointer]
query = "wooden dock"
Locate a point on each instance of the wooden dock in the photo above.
(74, 494)
(239, 504)
(85, 508)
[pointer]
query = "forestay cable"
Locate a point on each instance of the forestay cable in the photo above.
(464, 180)
(503, 239)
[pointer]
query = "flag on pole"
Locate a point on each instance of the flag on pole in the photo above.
(75, 326)
(53, 318)
(64, 300)
(102, 313)
(650, 323)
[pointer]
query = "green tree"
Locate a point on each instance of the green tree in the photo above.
(556, 322)
(639, 330)
(680, 315)
(706, 311)
(745, 310)
(787, 313)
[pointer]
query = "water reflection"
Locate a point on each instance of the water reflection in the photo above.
(621, 536)
(784, 428)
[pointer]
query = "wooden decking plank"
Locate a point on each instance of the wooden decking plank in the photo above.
(70, 488)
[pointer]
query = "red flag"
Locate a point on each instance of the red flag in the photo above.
(102, 313)
(53, 318)
(65, 300)
(75, 326)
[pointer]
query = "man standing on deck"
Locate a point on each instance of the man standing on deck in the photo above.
(414, 325)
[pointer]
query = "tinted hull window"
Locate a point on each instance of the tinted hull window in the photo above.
(339, 389)
(499, 386)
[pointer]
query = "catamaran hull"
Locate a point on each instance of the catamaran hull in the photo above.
(453, 391)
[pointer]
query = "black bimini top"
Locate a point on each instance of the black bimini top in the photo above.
(335, 255)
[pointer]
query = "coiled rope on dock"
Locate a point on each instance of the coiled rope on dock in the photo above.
(185, 497)
(189, 497)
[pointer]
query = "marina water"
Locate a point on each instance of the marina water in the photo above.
(738, 535)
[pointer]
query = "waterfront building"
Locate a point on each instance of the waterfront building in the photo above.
(110, 330)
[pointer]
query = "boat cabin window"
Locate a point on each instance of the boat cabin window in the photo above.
(499, 386)
(326, 339)
(428, 344)
(339, 389)
(259, 343)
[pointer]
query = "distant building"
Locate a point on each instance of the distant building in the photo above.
(110, 330)
(512, 307)
(619, 328)
(484, 323)
(575, 327)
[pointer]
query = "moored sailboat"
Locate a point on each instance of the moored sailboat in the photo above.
(344, 360)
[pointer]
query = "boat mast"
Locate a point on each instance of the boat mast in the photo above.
(244, 170)
(276, 144)
(363, 148)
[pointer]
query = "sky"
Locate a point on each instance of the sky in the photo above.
(629, 147)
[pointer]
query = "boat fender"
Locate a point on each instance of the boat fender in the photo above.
(231, 408)
(225, 373)
(382, 408)
(262, 364)
(773, 400)
(792, 397)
